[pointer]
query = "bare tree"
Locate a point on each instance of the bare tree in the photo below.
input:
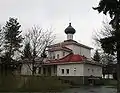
(38, 39)
(107, 59)
(105, 31)
(1, 40)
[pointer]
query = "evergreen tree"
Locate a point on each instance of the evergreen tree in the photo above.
(96, 56)
(12, 43)
(27, 51)
(12, 36)
(111, 45)
(107, 59)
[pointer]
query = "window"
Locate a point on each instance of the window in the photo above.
(67, 71)
(53, 57)
(74, 69)
(57, 56)
(63, 53)
(62, 71)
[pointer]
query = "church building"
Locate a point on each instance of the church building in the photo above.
(69, 60)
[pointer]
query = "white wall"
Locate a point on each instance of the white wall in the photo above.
(92, 70)
(81, 70)
(74, 70)
(110, 76)
(86, 52)
(70, 47)
(80, 50)
(53, 70)
(71, 67)
(60, 53)
(69, 36)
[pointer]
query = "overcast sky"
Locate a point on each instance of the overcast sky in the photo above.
(55, 13)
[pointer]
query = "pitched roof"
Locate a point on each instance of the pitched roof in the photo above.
(67, 59)
(69, 42)
(60, 48)
(72, 58)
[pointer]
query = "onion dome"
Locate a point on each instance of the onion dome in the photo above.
(70, 29)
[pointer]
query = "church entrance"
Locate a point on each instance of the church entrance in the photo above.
(91, 80)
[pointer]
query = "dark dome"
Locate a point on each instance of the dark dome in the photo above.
(69, 29)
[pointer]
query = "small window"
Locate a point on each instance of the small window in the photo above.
(67, 71)
(74, 69)
(62, 71)
(63, 53)
(53, 57)
(57, 56)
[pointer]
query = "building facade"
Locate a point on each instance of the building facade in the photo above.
(69, 59)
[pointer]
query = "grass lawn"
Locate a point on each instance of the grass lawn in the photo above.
(109, 82)
(31, 83)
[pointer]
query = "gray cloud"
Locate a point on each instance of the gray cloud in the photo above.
(56, 13)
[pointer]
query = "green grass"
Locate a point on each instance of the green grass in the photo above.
(31, 83)
(109, 82)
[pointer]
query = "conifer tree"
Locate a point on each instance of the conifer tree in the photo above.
(27, 51)
(96, 56)
(111, 45)
(12, 42)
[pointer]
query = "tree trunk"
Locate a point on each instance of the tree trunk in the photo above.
(33, 67)
(118, 50)
(33, 72)
(118, 69)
